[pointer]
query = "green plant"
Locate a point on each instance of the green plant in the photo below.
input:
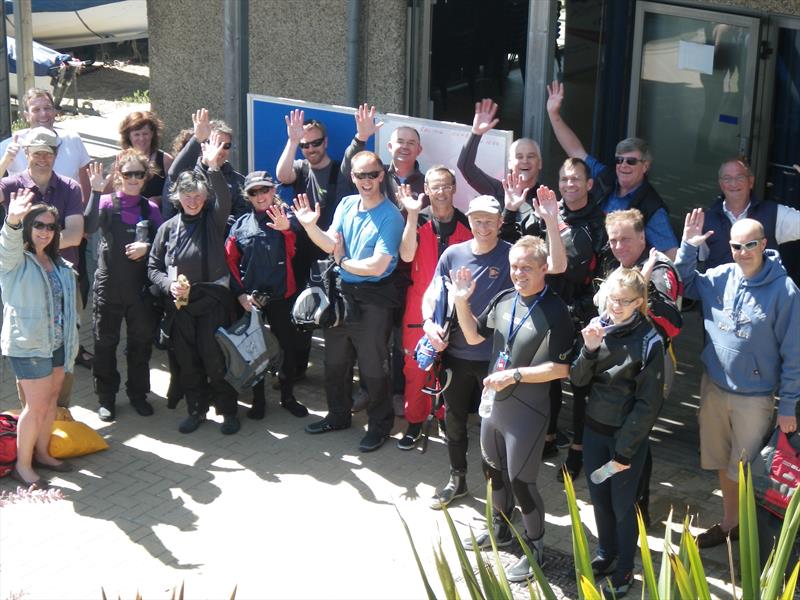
(18, 124)
(138, 97)
(681, 575)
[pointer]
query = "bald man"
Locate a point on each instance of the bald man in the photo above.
(751, 312)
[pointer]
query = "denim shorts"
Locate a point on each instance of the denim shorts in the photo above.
(37, 367)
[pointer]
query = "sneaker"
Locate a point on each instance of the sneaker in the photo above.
(230, 424)
(106, 412)
(360, 400)
(191, 423)
(522, 570)
(716, 536)
(294, 407)
(502, 536)
(411, 437)
(562, 440)
(602, 566)
(550, 449)
(573, 464)
(456, 488)
(617, 586)
(371, 442)
(324, 425)
(143, 407)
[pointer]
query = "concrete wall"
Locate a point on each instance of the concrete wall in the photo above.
(295, 52)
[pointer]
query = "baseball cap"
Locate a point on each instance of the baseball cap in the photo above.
(41, 139)
(485, 203)
(258, 179)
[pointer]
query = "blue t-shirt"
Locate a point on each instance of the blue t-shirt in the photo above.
(657, 231)
(491, 273)
(366, 232)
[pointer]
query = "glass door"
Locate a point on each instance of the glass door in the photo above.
(692, 91)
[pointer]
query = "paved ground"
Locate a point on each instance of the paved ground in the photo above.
(283, 514)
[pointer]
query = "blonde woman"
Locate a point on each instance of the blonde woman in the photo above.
(623, 361)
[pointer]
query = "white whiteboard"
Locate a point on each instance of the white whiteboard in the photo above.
(442, 143)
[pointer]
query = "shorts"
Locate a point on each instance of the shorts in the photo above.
(37, 367)
(732, 426)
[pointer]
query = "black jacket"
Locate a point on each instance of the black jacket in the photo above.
(627, 377)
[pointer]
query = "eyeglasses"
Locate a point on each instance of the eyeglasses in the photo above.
(751, 245)
(628, 160)
(367, 175)
(133, 174)
(728, 179)
(620, 301)
(312, 144)
(260, 190)
(441, 188)
(39, 225)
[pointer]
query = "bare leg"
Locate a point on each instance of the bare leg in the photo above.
(42, 448)
(730, 501)
(38, 396)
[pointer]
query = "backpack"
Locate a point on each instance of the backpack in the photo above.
(244, 345)
(320, 305)
(8, 443)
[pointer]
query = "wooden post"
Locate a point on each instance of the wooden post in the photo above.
(23, 36)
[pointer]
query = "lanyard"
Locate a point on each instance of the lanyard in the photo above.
(513, 331)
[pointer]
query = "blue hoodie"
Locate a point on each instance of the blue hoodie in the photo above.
(752, 325)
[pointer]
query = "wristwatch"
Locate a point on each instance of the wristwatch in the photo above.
(517, 375)
(16, 227)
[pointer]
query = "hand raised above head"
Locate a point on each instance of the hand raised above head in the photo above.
(405, 198)
(96, 178)
(294, 125)
(545, 205)
(366, 126)
(303, 212)
(202, 124)
(693, 228)
(555, 96)
(20, 204)
(278, 216)
(484, 119)
(212, 151)
(515, 191)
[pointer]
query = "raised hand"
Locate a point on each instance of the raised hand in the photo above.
(19, 205)
(96, 178)
(277, 214)
(294, 125)
(365, 122)
(545, 204)
(462, 284)
(303, 212)
(693, 228)
(406, 199)
(593, 335)
(555, 96)
(516, 192)
(202, 125)
(12, 150)
(484, 119)
(212, 151)
(649, 265)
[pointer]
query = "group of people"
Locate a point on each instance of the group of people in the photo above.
(514, 296)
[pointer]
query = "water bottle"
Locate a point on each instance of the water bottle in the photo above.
(600, 475)
(143, 231)
(487, 402)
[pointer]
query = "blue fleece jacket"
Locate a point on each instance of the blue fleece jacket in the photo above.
(753, 326)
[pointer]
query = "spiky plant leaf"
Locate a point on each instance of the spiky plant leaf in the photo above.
(665, 582)
(445, 574)
(696, 571)
(538, 574)
(233, 594)
(425, 582)
(580, 547)
(466, 566)
(501, 574)
(788, 591)
(681, 578)
(648, 571)
(786, 540)
(587, 589)
(683, 553)
(749, 563)
(490, 585)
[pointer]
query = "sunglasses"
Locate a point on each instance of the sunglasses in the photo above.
(628, 160)
(312, 144)
(133, 174)
(751, 245)
(367, 175)
(49, 226)
(260, 190)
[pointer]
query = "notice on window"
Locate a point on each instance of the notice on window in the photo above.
(696, 57)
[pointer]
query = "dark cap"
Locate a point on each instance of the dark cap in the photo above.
(258, 179)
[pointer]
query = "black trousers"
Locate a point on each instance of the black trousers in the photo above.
(467, 375)
(366, 339)
(292, 342)
(107, 322)
(201, 363)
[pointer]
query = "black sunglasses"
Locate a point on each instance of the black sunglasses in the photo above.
(367, 175)
(751, 245)
(312, 144)
(134, 174)
(49, 226)
(628, 160)
(259, 190)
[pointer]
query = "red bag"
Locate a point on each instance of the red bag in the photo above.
(776, 475)
(8, 444)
